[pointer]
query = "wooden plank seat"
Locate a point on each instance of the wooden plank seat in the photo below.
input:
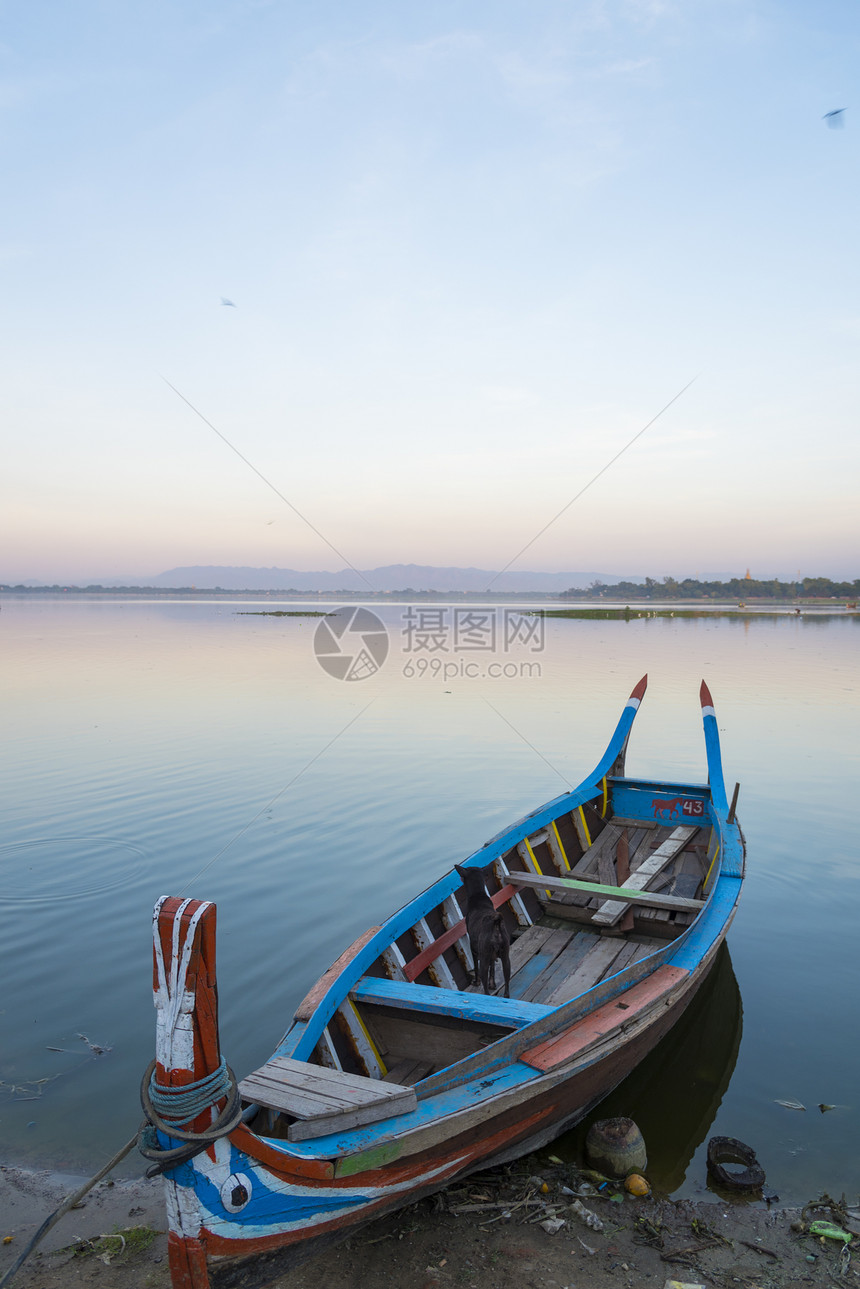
(323, 1100)
(487, 1009)
(621, 893)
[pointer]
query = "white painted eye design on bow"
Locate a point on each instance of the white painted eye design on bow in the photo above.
(236, 1192)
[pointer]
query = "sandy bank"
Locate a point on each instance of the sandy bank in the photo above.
(435, 1246)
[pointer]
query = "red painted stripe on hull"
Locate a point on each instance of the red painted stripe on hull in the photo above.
(461, 1161)
(287, 1167)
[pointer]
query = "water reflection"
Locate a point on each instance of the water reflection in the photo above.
(675, 1093)
(140, 738)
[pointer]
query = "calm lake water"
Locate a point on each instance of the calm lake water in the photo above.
(167, 747)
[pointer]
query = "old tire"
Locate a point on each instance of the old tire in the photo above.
(728, 1150)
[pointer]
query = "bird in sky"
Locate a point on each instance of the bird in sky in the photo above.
(229, 303)
(834, 118)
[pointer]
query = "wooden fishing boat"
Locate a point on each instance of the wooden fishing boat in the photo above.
(396, 1075)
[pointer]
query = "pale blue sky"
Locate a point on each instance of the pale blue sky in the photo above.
(473, 247)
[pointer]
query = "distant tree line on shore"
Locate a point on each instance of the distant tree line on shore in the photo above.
(739, 588)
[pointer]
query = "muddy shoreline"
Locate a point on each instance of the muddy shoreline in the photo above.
(483, 1234)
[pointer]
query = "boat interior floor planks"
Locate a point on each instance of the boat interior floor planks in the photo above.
(524, 982)
(527, 944)
(553, 951)
(574, 949)
(408, 1072)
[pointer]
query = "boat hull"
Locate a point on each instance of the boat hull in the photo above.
(341, 1125)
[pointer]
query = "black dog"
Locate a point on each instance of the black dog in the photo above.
(488, 934)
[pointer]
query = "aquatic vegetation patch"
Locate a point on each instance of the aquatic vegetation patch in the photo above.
(120, 1246)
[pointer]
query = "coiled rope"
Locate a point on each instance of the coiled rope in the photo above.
(166, 1109)
(181, 1105)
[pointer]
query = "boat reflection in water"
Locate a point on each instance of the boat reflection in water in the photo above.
(675, 1093)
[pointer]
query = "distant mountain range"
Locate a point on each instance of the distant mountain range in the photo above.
(392, 577)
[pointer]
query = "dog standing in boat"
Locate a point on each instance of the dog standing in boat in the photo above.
(488, 935)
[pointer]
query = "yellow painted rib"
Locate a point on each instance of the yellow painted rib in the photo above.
(366, 1032)
(535, 864)
(605, 798)
(585, 826)
(710, 869)
(560, 846)
(533, 857)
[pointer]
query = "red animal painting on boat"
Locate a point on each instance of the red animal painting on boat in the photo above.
(676, 806)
